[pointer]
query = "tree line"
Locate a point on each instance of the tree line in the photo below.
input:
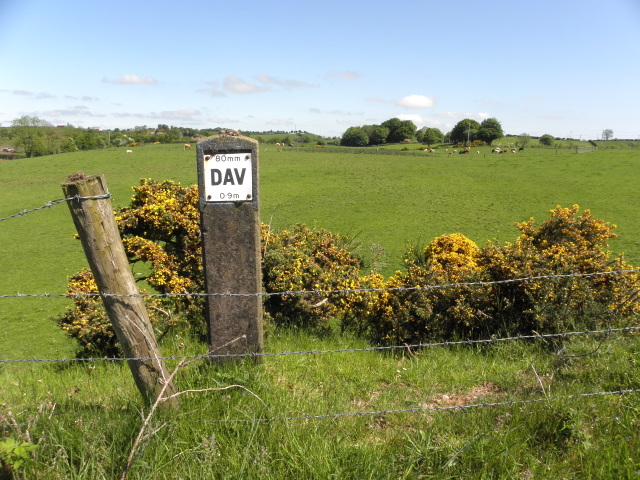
(37, 137)
(395, 130)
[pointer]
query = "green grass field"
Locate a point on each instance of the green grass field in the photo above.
(385, 198)
(354, 414)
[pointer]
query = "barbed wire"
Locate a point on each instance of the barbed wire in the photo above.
(430, 408)
(324, 292)
(56, 202)
(316, 352)
(424, 409)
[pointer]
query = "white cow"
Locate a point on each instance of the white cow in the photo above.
(129, 151)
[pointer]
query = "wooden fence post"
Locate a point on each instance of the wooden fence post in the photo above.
(96, 225)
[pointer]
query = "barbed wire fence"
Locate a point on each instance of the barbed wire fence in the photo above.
(413, 347)
(53, 203)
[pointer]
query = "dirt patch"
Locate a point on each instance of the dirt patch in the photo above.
(476, 395)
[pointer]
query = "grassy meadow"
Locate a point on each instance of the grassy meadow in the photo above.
(402, 411)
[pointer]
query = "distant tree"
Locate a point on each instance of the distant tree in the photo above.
(53, 139)
(431, 136)
(465, 130)
(489, 130)
(377, 134)
(546, 140)
(28, 133)
(523, 140)
(173, 135)
(607, 134)
(399, 130)
(354, 137)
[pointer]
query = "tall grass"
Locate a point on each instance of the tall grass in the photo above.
(84, 417)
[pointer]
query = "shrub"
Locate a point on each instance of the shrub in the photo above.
(87, 320)
(415, 309)
(562, 245)
(467, 307)
(302, 259)
(160, 228)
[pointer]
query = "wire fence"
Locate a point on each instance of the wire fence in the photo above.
(434, 408)
(326, 292)
(52, 203)
(405, 347)
(413, 347)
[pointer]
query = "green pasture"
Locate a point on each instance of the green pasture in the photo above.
(384, 198)
(350, 413)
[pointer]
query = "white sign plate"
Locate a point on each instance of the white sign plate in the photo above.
(228, 177)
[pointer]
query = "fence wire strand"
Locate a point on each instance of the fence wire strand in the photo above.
(52, 203)
(430, 408)
(324, 292)
(424, 409)
(416, 346)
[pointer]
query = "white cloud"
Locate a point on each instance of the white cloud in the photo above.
(415, 101)
(235, 84)
(132, 80)
(76, 111)
(214, 90)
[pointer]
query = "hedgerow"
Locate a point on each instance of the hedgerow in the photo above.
(449, 289)
(160, 229)
(470, 306)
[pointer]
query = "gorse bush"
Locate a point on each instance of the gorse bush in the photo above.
(88, 323)
(471, 307)
(562, 245)
(301, 259)
(448, 289)
(160, 229)
(409, 308)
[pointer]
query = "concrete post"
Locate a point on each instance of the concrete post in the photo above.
(230, 225)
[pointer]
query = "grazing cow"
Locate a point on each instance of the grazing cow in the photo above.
(521, 149)
(187, 146)
(463, 151)
(513, 150)
(129, 151)
(496, 150)
(277, 144)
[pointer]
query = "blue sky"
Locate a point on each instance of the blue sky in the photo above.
(563, 67)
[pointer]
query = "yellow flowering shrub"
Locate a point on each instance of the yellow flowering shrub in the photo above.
(564, 244)
(301, 259)
(401, 310)
(87, 320)
(160, 229)
(446, 292)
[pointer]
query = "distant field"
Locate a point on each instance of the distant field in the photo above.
(385, 197)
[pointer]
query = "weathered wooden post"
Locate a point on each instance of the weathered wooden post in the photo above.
(230, 225)
(96, 225)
